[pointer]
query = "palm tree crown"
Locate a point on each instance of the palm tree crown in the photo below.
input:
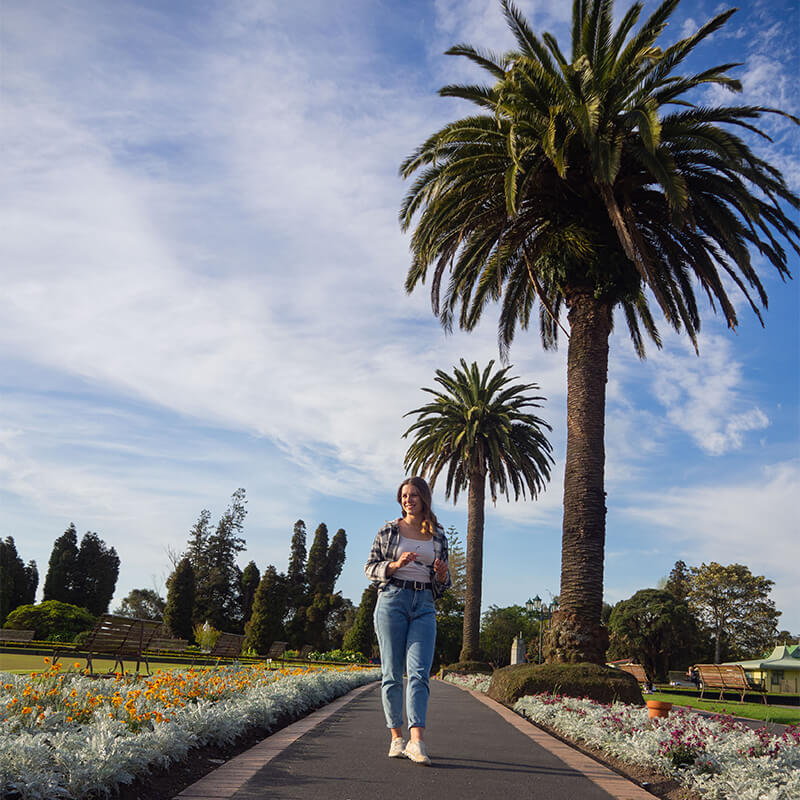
(478, 424)
(582, 176)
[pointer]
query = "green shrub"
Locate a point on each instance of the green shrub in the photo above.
(52, 620)
(466, 668)
(598, 682)
(338, 655)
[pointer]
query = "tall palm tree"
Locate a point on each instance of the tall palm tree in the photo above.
(478, 428)
(587, 184)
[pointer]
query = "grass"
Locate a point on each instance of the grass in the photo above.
(19, 663)
(783, 715)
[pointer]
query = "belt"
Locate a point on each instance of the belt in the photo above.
(417, 586)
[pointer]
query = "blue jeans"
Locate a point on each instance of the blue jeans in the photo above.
(405, 622)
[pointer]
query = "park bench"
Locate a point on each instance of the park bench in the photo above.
(169, 646)
(14, 635)
(726, 676)
(638, 672)
(305, 651)
(277, 651)
(120, 638)
(228, 645)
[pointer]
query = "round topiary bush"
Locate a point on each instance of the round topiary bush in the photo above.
(52, 620)
(598, 682)
(466, 668)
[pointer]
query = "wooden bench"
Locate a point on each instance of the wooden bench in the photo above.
(229, 645)
(727, 676)
(169, 646)
(305, 651)
(120, 638)
(638, 672)
(14, 635)
(277, 651)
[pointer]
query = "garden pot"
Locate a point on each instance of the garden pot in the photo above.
(657, 708)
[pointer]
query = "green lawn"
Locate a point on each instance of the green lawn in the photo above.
(784, 715)
(22, 663)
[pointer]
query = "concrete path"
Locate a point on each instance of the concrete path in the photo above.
(479, 750)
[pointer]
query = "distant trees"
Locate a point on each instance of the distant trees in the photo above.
(212, 553)
(251, 577)
(734, 606)
(300, 606)
(142, 604)
(498, 629)
(679, 582)
(180, 600)
(654, 628)
(269, 608)
(450, 607)
(18, 581)
(361, 637)
(84, 576)
(60, 578)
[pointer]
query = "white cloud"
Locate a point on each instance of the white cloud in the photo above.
(704, 396)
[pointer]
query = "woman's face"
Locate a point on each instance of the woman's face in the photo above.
(410, 500)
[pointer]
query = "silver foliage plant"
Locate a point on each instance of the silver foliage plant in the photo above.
(56, 759)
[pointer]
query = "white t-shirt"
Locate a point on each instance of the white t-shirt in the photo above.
(418, 570)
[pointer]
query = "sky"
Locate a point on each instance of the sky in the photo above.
(202, 289)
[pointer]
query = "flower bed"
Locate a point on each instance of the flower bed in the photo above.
(72, 736)
(716, 757)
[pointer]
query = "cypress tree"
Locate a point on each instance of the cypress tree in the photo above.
(296, 574)
(251, 577)
(17, 582)
(361, 637)
(59, 584)
(96, 573)
(180, 600)
(334, 561)
(317, 560)
(269, 608)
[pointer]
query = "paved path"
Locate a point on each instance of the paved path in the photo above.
(479, 750)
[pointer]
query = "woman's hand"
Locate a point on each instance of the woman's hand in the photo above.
(405, 558)
(440, 567)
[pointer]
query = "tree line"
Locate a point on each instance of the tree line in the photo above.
(710, 613)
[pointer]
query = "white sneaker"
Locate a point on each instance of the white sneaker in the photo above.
(415, 751)
(396, 748)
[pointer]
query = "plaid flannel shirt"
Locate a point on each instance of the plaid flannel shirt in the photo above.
(386, 548)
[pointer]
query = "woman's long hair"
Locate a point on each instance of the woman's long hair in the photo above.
(429, 521)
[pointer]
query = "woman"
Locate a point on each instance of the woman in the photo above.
(409, 563)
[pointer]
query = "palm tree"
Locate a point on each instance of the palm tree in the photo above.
(585, 185)
(478, 428)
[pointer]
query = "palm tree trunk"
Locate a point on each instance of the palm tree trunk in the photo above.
(470, 647)
(577, 633)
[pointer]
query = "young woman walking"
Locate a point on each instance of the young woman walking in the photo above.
(408, 561)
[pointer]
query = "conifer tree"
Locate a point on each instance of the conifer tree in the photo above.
(317, 560)
(251, 577)
(296, 574)
(361, 637)
(334, 561)
(265, 625)
(96, 573)
(17, 582)
(59, 584)
(180, 600)
(218, 579)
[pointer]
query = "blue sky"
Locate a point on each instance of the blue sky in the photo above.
(203, 289)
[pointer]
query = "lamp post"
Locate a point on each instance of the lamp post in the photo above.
(538, 605)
